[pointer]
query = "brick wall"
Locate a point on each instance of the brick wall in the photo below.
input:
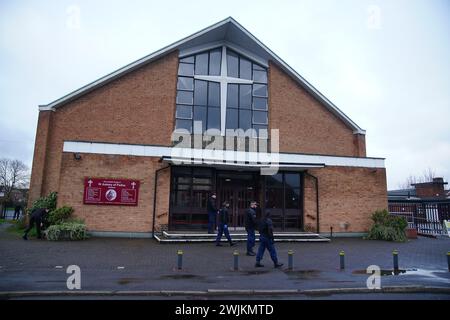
(305, 125)
(138, 108)
(346, 195)
(110, 217)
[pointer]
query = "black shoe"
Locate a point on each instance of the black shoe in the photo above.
(232, 243)
(251, 253)
(259, 265)
(25, 237)
(278, 265)
(219, 244)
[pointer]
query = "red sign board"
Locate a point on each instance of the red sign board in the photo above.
(111, 191)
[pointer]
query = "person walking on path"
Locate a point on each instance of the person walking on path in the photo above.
(38, 217)
(223, 225)
(250, 226)
(17, 211)
(212, 213)
(266, 241)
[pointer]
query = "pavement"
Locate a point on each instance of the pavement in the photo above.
(112, 267)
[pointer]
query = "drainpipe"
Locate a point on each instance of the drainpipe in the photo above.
(317, 198)
(154, 197)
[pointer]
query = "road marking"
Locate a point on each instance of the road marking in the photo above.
(120, 268)
(58, 267)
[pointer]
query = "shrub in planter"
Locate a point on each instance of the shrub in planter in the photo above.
(44, 202)
(59, 215)
(387, 227)
(72, 230)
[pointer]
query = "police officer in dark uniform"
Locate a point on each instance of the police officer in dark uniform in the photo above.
(212, 213)
(266, 241)
(38, 217)
(250, 226)
(223, 224)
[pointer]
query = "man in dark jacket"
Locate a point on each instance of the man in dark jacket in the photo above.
(223, 224)
(38, 217)
(17, 210)
(266, 241)
(212, 213)
(250, 226)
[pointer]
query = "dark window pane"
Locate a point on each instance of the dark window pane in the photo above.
(258, 67)
(245, 96)
(214, 62)
(188, 59)
(260, 90)
(201, 181)
(232, 64)
(260, 76)
(184, 112)
(203, 172)
(184, 124)
(232, 95)
(292, 180)
(184, 97)
(182, 198)
(201, 63)
(261, 131)
(182, 179)
(200, 92)
(181, 170)
(274, 198)
(185, 69)
(260, 117)
(275, 180)
(259, 103)
(245, 119)
(245, 69)
(213, 118)
(185, 83)
(232, 119)
(200, 115)
(292, 198)
(214, 94)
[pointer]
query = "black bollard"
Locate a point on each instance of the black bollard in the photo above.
(395, 258)
(180, 259)
(236, 260)
(290, 260)
(342, 259)
(448, 260)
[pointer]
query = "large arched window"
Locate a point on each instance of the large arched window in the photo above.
(224, 91)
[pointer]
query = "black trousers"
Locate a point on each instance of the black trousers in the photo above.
(37, 221)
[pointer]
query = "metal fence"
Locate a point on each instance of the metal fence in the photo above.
(426, 217)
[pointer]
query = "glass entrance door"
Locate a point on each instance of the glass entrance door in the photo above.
(238, 189)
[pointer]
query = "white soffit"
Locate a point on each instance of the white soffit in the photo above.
(208, 155)
(227, 31)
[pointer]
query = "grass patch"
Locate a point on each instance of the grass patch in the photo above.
(18, 228)
(2, 221)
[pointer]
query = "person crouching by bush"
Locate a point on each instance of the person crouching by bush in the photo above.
(38, 217)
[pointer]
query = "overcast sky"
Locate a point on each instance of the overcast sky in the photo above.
(386, 64)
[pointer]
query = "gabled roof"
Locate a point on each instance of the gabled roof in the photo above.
(226, 32)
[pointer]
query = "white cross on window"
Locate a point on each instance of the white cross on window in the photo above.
(224, 80)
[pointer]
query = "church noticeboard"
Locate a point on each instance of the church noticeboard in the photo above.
(111, 191)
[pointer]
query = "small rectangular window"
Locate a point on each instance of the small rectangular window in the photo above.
(260, 76)
(214, 94)
(215, 57)
(184, 97)
(200, 92)
(259, 117)
(232, 96)
(232, 64)
(245, 69)
(187, 59)
(260, 90)
(232, 119)
(245, 119)
(259, 103)
(186, 69)
(201, 63)
(184, 125)
(213, 118)
(185, 83)
(245, 96)
(200, 116)
(184, 112)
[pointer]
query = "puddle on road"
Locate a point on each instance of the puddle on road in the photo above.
(123, 281)
(303, 274)
(387, 272)
(181, 276)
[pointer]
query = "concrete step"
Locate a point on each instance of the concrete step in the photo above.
(179, 237)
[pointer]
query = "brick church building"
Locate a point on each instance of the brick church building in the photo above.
(141, 149)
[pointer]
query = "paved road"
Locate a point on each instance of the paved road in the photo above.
(143, 264)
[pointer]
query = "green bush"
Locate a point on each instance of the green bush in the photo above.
(67, 231)
(387, 227)
(44, 202)
(59, 215)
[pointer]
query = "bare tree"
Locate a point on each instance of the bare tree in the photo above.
(427, 176)
(14, 174)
